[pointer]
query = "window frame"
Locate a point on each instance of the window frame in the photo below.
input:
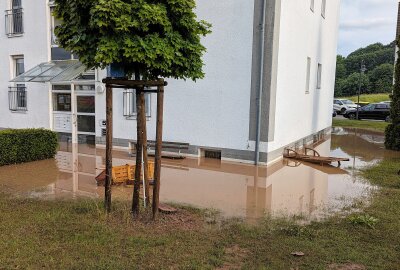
(16, 65)
(323, 8)
(13, 16)
(53, 26)
(319, 76)
(129, 104)
(308, 75)
(17, 97)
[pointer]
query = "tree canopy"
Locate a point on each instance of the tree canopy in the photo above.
(158, 38)
(379, 61)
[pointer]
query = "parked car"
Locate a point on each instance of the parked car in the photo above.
(342, 105)
(374, 111)
(387, 102)
(334, 113)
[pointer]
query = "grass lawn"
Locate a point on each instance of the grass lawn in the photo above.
(370, 98)
(371, 125)
(78, 235)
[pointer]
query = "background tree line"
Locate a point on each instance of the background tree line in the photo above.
(379, 61)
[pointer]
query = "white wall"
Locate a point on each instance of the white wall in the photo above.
(213, 111)
(34, 46)
(305, 34)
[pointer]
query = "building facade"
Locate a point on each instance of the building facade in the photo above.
(270, 73)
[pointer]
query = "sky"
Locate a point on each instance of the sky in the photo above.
(363, 22)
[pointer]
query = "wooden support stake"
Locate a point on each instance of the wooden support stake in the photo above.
(109, 136)
(159, 129)
(139, 149)
(145, 155)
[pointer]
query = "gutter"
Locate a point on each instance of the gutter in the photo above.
(260, 90)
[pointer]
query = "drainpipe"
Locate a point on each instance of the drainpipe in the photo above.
(260, 90)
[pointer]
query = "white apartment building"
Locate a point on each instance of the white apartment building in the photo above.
(270, 73)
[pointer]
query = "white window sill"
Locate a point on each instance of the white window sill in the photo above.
(20, 112)
(134, 117)
(15, 35)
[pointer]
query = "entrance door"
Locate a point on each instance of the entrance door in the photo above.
(74, 113)
(85, 118)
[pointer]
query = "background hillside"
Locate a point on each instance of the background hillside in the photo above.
(379, 61)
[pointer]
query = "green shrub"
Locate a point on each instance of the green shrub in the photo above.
(24, 145)
(393, 130)
(365, 220)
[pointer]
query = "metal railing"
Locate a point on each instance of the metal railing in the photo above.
(17, 98)
(14, 22)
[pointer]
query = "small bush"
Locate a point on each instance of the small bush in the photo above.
(24, 145)
(365, 220)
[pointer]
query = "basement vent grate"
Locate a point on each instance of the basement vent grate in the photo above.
(212, 154)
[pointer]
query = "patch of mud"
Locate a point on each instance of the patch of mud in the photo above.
(182, 220)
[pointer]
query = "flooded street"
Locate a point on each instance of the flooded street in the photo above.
(236, 190)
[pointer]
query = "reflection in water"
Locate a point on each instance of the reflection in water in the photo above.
(284, 188)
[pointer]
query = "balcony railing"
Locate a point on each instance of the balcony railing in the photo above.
(17, 98)
(14, 22)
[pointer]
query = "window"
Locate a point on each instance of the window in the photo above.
(369, 107)
(319, 76)
(54, 23)
(61, 87)
(61, 102)
(89, 87)
(130, 103)
(17, 97)
(14, 19)
(85, 104)
(338, 102)
(382, 106)
(312, 3)
(323, 8)
(19, 66)
(308, 75)
(86, 123)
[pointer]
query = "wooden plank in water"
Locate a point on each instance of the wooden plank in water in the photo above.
(315, 158)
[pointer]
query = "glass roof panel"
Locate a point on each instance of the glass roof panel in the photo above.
(32, 73)
(55, 71)
(58, 68)
(70, 74)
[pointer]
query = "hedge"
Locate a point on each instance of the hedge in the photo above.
(24, 145)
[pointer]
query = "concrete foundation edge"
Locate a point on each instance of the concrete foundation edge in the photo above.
(243, 156)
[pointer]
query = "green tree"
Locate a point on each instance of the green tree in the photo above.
(381, 79)
(349, 86)
(372, 55)
(341, 70)
(339, 87)
(341, 74)
(155, 38)
(393, 130)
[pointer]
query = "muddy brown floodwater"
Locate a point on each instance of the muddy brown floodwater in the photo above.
(235, 190)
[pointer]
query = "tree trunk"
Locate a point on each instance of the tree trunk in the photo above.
(109, 136)
(145, 157)
(139, 149)
(157, 169)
